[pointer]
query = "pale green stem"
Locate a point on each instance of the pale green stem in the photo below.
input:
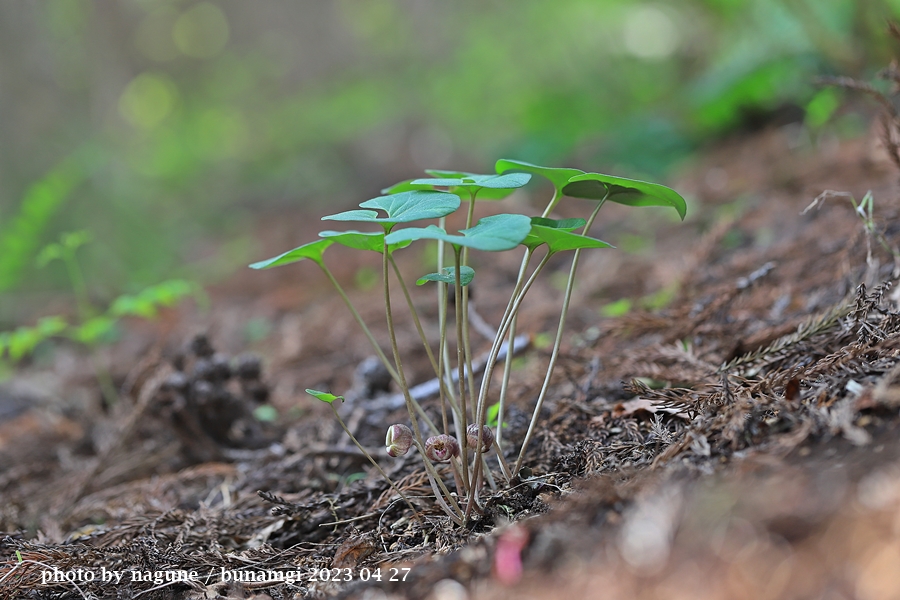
(415, 315)
(473, 490)
(481, 405)
(570, 284)
(460, 366)
(470, 216)
(507, 364)
(444, 354)
(387, 364)
(375, 464)
(404, 387)
(512, 309)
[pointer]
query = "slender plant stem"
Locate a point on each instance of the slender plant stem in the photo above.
(387, 364)
(460, 365)
(501, 333)
(443, 388)
(441, 356)
(570, 284)
(467, 344)
(475, 484)
(504, 466)
(439, 496)
(374, 463)
(507, 363)
(404, 387)
(489, 367)
(412, 407)
(415, 315)
(435, 477)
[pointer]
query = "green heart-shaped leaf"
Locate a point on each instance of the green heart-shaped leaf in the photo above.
(593, 186)
(448, 275)
(563, 224)
(631, 192)
(559, 239)
(558, 176)
(312, 251)
(360, 240)
(486, 187)
(441, 174)
(403, 207)
(324, 396)
(491, 234)
(405, 186)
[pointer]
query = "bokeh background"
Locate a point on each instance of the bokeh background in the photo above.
(168, 129)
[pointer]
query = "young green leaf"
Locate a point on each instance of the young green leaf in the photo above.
(24, 339)
(405, 186)
(559, 177)
(95, 330)
(448, 275)
(561, 224)
(486, 187)
(147, 302)
(360, 240)
(404, 207)
(324, 396)
(559, 239)
(630, 192)
(491, 234)
(576, 183)
(313, 251)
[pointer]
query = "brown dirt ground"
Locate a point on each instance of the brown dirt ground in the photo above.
(658, 472)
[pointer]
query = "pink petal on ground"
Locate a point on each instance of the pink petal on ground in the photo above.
(508, 555)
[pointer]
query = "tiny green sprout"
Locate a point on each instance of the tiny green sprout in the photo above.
(324, 396)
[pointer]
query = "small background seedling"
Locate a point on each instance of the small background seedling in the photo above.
(92, 326)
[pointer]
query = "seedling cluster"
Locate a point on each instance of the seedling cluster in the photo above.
(462, 438)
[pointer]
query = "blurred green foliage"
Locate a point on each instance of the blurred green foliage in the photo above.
(160, 125)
